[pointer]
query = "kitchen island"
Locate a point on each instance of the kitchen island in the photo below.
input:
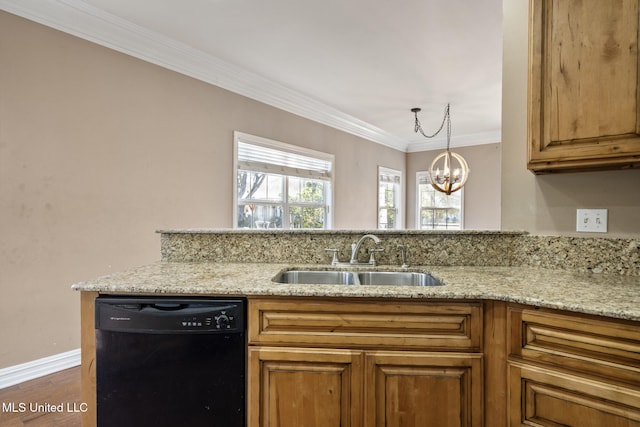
(509, 342)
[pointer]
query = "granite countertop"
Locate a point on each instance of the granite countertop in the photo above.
(600, 294)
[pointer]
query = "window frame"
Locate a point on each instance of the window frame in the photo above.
(418, 224)
(286, 204)
(400, 197)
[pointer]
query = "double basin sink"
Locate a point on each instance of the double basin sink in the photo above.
(376, 278)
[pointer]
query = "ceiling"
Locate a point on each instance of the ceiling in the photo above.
(357, 65)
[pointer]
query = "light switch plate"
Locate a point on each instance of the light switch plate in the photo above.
(591, 220)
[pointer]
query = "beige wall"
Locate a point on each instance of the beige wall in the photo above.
(481, 193)
(547, 204)
(98, 150)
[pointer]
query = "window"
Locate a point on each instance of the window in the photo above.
(390, 200)
(436, 210)
(280, 185)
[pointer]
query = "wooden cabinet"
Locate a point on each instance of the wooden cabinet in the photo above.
(584, 87)
(293, 387)
(350, 323)
(88, 357)
(552, 397)
(404, 363)
(415, 389)
(572, 370)
(364, 363)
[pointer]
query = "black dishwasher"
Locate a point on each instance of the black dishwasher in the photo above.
(170, 362)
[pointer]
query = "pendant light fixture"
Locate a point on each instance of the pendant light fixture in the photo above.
(449, 171)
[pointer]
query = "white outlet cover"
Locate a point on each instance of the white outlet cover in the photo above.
(591, 220)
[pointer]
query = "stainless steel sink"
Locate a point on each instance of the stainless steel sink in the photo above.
(369, 278)
(308, 277)
(398, 278)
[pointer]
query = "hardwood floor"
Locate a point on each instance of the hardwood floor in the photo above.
(37, 403)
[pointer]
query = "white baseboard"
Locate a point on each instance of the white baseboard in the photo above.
(37, 368)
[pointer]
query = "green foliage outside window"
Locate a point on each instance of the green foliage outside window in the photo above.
(261, 204)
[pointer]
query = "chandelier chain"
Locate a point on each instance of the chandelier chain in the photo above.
(445, 175)
(446, 119)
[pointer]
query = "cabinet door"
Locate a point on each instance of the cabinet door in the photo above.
(290, 387)
(548, 398)
(584, 91)
(411, 389)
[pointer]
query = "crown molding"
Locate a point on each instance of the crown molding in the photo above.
(457, 141)
(90, 23)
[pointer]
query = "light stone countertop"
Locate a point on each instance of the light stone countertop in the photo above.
(600, 294)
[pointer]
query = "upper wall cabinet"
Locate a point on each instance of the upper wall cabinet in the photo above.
(584, 91)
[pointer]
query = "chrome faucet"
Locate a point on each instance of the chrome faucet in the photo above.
(355, 248)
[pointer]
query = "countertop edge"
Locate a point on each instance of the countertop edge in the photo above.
(562, 290)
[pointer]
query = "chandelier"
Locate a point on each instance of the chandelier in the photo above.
(449, 171)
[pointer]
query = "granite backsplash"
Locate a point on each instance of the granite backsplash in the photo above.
(450, 248)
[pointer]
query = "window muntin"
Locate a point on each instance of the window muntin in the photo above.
(436, 210)
(390, 200)
(268, 170)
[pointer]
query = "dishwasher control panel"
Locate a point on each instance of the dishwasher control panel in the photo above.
(223, 320)
(165, 316)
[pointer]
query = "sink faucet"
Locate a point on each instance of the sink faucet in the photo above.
(355, 248)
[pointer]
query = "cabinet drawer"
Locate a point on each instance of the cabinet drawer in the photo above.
(608, 348)
(366, 324)
(544, 397)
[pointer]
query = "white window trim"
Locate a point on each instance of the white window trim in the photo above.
(401, 202)
(418, 225)
(281, 146)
